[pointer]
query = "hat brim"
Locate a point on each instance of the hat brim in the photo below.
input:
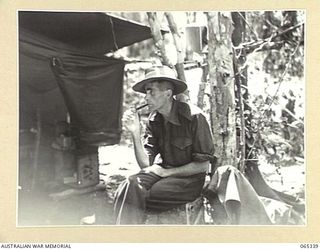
(179, 86)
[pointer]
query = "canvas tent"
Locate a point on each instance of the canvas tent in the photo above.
(62, 68)
(64, 76)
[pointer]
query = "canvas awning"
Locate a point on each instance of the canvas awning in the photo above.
(62, 68)
(86, 32)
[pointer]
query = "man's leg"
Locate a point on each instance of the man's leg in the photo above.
(172, 192)
(130, 201)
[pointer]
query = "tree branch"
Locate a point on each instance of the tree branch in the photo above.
(276, 92)
(267, 43)
(249, 26)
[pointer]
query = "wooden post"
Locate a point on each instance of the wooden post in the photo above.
(222, 108)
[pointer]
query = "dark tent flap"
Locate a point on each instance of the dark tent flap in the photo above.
(85, 32)
(38, 89)
(35, 53)
(92, 89)
(62, 69)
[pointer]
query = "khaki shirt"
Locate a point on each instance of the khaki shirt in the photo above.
(185, 138)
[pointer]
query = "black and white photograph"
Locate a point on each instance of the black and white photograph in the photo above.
(172, 118)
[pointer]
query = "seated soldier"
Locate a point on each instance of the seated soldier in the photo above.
(173, 158)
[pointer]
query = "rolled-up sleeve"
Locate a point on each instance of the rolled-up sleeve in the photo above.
(202, 146)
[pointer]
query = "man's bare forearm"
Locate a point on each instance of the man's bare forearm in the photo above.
(191, 168)
(141, 156)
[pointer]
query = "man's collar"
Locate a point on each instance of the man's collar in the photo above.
(178, 108)
(173, 116)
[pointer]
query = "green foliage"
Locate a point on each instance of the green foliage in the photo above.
(280, 139)
(276, 61)
(272, 23)
(273, 123)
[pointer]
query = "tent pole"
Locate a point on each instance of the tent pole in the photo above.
(37, 149)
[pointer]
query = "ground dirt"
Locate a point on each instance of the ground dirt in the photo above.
(37, 208)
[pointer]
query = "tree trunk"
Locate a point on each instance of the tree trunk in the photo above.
(180, 54)
(178, 43)
(241, 93)
(202, 86)
(222, 112)
(157, 37)
(159, 42)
